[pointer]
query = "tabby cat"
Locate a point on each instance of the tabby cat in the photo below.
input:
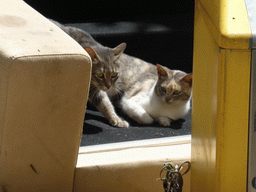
(145, 92)
(105, 72)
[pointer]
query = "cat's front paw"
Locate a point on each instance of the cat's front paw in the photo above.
(117, 122)
(146, 119)
(164, 121)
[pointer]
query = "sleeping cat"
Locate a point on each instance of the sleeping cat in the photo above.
(145, 92)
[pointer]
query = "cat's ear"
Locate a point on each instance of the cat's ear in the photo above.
(92, 53)
(188, 79)
(119, 50)
(161, 71)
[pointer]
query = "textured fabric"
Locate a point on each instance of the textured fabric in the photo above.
(44, 82)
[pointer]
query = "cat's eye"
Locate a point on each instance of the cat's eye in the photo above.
(114, 75)
(176, 92)
(163, 89)
(100, 75)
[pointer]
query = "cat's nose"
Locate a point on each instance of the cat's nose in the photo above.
(108, 85)
(167, 99)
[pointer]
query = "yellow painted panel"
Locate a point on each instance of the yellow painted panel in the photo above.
(232, 120)
(228, 21)
(220, 112)
(203, 151)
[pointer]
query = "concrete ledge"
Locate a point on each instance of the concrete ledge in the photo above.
(129, 166)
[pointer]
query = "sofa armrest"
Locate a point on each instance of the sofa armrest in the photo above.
(44, 83)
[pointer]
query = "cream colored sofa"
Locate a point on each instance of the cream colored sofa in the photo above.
(44, 82)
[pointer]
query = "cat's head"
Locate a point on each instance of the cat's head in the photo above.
(105, 70)
(173, 86)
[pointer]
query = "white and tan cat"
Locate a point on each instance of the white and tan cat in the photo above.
(163, 98)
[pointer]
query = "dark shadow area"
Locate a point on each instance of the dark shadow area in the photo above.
(109, 11)
(167, 41)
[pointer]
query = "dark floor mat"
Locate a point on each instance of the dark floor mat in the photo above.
(97, 130)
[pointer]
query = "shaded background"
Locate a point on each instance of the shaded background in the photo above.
(155, 31)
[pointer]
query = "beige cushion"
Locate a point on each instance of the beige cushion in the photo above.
(44, 82)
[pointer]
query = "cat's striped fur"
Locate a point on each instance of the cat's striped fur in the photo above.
(105, 72)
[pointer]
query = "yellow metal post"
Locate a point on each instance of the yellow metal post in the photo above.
(221, 93)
